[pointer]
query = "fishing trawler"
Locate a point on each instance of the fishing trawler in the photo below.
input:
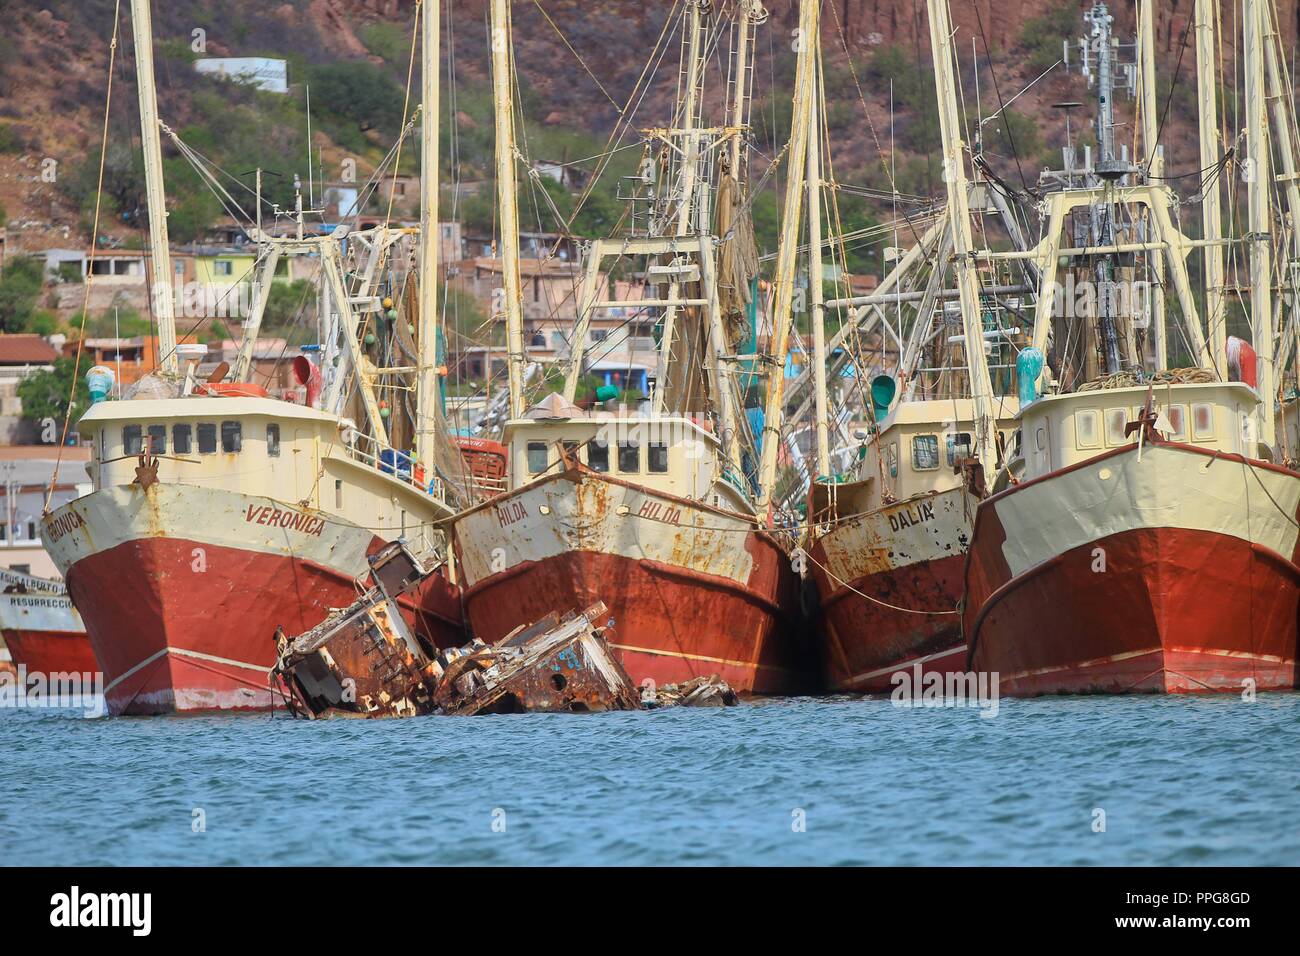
(887, 536)
(1144, 538)
(39, 628)
(654, 514)
(219, 512)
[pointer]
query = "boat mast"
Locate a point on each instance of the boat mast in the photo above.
(1284, 136)
(1211, 199)
(1108, 169)
(782, 311)
(1155, 158)
(689, 133)
(751, 13)
(1258, 180)
(507, 201)
(426, 385)
(159, 250)
(815, 262)
(968, 287)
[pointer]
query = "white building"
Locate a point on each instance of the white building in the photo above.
(262, 72)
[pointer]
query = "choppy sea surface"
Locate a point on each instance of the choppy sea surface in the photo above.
(1062, 780)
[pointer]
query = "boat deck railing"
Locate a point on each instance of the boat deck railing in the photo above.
(392, 461)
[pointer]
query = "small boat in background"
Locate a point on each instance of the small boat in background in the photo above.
(40, 629)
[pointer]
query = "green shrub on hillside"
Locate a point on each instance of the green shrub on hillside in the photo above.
(389, 41)
(351, 97)
(20, 287)
(1043, 36)
(45, 394)
(10, 141)
(288, 304)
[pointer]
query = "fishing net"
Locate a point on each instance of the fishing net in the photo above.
(737, 259)
(1172, 376)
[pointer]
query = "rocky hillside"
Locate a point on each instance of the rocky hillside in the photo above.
(353, 54)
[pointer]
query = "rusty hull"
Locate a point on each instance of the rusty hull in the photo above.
(554, 665)
(354, 664)
(363, 661)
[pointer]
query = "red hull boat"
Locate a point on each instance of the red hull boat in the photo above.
(42, 629)
(1182, 578)
(184, 588)
(693, 590)
(211, 646)
(898, 610)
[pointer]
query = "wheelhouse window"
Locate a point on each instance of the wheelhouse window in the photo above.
(1177, 416)
(598, 455)
(1116, 420)
(657, 458)
(925, 452)
(207, 438)
(158, 439)
(537, 457)
(231, 437)
(1087, 428)
(958, 447)
(1202, 421)
(273, 441)
(131, 440)
(181, 439)
(629, 457)
(891, 458)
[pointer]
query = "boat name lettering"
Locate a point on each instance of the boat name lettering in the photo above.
(912, 516)
(18, 600)
(510, 512)
(59, 525)
(290, 520)
(660, 512)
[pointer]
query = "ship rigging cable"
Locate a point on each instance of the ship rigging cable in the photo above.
(892, 607)
(94, 235)
(993, 75)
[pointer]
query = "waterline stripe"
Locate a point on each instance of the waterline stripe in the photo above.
(182, 652)
(695, 657)
(907, 665)
(1129, 655)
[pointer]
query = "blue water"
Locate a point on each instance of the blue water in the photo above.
(1203, 780)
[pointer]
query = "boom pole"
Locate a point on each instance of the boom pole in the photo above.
(1155, 159)
(1212, 195)
(782, 314)
(159, 248)
(508, 201)
(968, 287)
(426, 389)
(815, 269)
(1259, 180)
